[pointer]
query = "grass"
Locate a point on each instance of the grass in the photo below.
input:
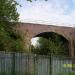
(70, 73)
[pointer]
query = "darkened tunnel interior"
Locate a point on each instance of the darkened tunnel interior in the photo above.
(49, 34)
(57, 39)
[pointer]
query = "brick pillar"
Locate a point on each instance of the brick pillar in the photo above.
(28, 44)
(72, 54)
(71, 48)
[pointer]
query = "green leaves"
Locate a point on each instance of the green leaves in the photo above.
(8, 10)
(9, 40)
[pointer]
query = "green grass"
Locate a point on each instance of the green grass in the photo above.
(70, 73)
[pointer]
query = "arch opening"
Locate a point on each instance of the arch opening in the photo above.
(47, 43)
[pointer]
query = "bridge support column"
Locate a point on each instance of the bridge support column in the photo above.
(71, 51)
(71, 48)
(26, 38)
(28, 45)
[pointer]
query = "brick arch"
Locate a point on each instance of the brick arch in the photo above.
(34, 29)
(46, 35)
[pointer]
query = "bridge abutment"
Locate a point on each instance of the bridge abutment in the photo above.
(71, 48)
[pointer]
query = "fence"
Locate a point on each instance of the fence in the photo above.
(62, 65)
(29, 64)
(24, 64)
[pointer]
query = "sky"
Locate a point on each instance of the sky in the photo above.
(51, 12)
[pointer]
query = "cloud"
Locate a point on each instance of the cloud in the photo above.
(51, 12)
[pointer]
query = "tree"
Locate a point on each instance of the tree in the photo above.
(56, 48)
(41, 47)
(9, 40)
(8, 10)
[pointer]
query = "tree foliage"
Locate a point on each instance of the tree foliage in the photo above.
(41, 47)
(8, 10)
(9, 40)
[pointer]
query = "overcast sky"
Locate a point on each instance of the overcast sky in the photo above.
(55, 12)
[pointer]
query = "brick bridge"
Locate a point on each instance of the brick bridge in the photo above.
(30, 30)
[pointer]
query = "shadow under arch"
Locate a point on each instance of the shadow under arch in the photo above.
(47, 35)
(53, 35)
